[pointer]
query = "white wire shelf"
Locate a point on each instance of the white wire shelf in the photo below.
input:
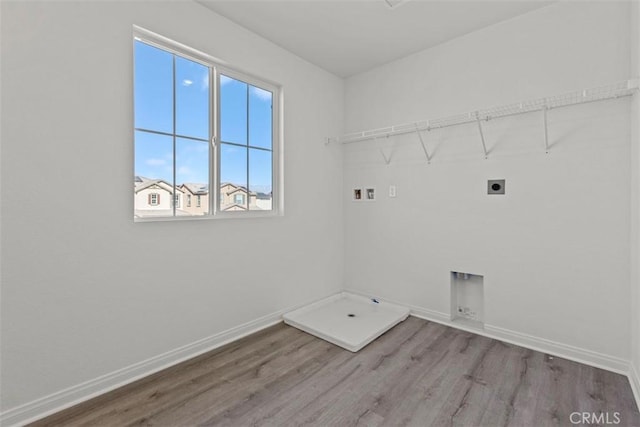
(615, 90)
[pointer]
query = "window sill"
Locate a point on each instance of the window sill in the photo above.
(218, 216)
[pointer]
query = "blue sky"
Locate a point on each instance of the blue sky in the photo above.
(154, 85)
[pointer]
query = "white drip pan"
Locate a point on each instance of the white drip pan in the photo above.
(347, 320)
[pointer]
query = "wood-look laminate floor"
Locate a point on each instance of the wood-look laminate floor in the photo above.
(420, 374)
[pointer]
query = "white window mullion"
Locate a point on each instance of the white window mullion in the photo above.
(175, 194)
(214, 152)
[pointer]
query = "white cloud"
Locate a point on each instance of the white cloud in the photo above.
(262, 94)
(224, 80)
(156, 162)
(205, 81)
(196, 147)
(187, 82)
(184, 170)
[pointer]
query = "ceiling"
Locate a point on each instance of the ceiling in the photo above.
(347, 37)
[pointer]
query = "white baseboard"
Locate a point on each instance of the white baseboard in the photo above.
(71, 396)
(577, 354)
(634, 380)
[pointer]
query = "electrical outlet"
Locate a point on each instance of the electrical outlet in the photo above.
(392, 191)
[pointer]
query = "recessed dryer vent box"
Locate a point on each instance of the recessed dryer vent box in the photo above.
(495, 186)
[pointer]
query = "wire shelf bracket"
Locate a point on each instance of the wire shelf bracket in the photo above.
(484, 144)
(387, 159)
(424, 147)
(601, 93)
(546, 129)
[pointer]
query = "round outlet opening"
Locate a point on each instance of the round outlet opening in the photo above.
(496, 187)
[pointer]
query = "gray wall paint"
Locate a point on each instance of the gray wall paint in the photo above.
(85, 291)
(635, 196)
(553, 250)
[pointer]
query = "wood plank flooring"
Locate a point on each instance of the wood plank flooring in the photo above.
(418, 374)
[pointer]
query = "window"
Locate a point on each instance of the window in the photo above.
(246, 140)
(154, 199)
(200, 125)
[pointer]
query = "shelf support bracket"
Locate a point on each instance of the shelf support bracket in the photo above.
(484, 145)
(424, 147)
(387, 160)
(546, 129)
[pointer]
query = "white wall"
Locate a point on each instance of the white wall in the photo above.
(78, 299)
(635, 205)
(553, 250)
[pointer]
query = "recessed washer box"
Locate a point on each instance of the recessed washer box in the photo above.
(347, 320)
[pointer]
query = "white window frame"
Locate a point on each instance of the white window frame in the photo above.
(217, 68)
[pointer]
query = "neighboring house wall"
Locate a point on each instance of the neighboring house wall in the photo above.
(194, 208)
(142, 199)
(252, 200)
(263, 204)
(145, 205)
(228, 193)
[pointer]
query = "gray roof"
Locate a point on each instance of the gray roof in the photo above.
(142, 184)
(196, 188)
(237, 188)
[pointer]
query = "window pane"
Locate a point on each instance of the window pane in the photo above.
(153, 88)
(192, 99)
(233, 110)
(192, 175)
(153, 184)
(233, 176)
(260, 179)
(260, 122)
